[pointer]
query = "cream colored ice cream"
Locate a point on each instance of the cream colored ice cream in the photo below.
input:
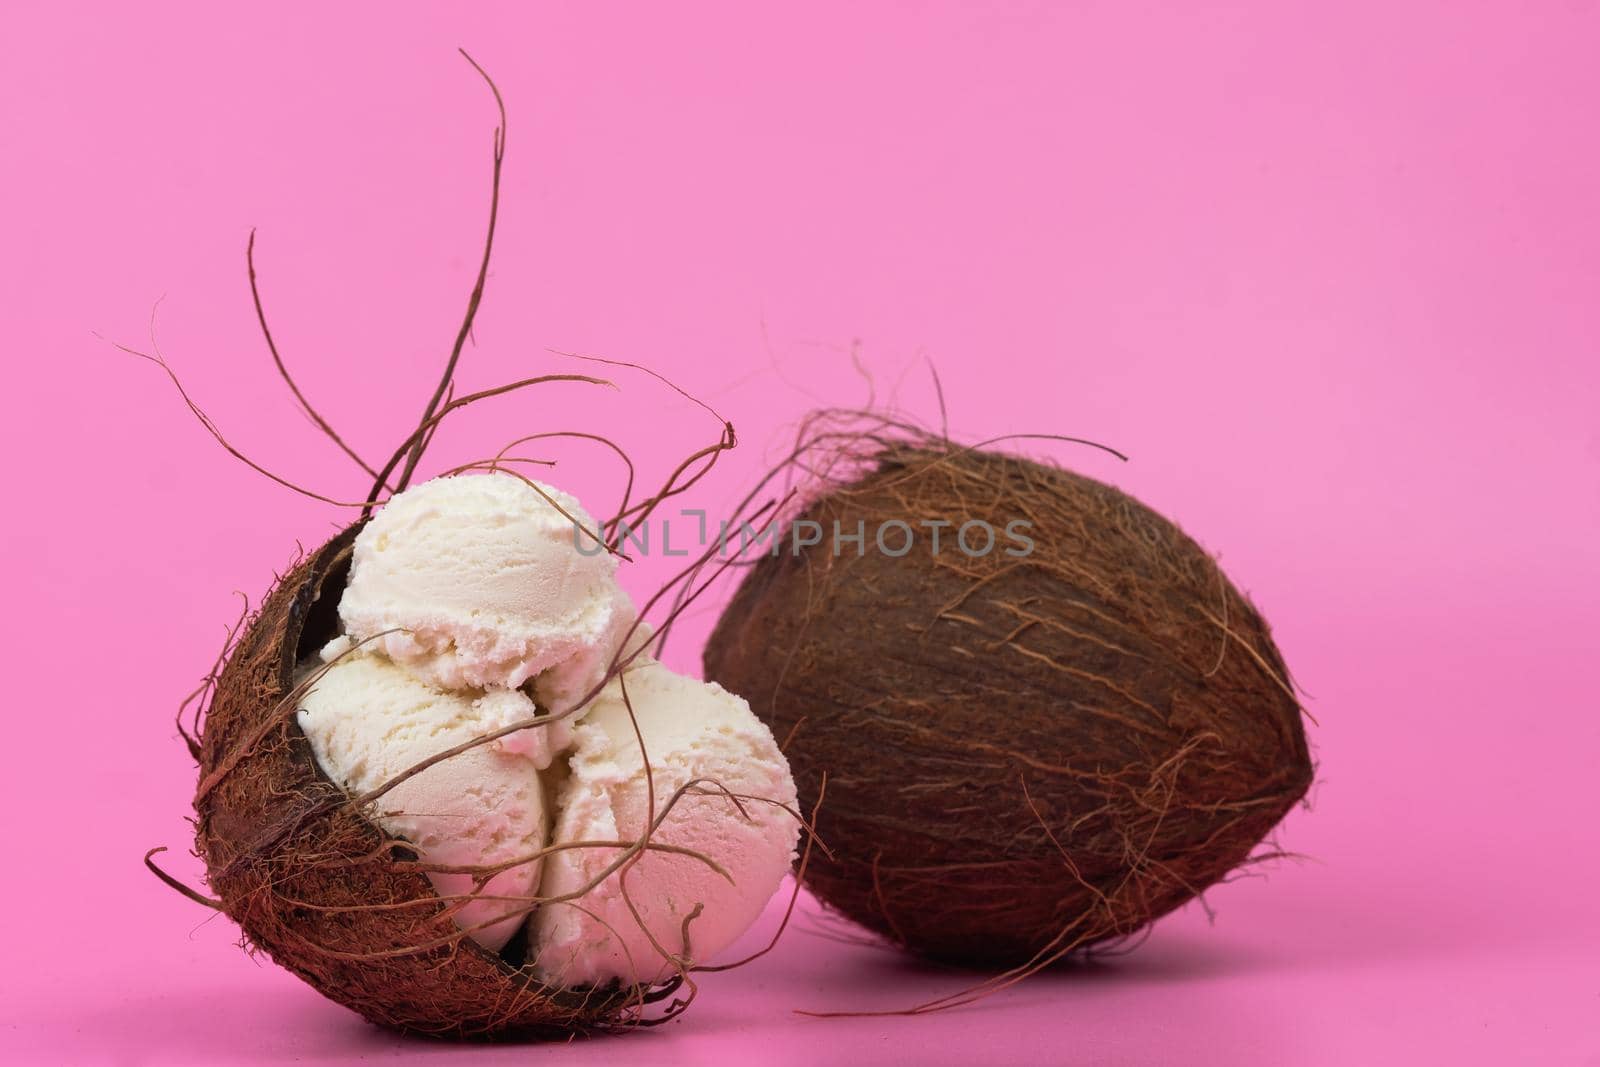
(496, 600)
(692, 730)
(369, 720)
(490, 583)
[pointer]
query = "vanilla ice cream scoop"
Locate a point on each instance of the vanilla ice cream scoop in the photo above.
(489, 580)
(368, 720)
(692, 730)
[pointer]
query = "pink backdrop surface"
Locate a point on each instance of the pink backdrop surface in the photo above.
(1328, 273)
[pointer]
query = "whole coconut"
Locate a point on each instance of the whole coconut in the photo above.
(1028, 750)
(316, 885)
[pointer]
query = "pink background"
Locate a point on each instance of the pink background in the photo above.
(1328, 273)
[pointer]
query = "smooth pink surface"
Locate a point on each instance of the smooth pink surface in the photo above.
(1328, 273)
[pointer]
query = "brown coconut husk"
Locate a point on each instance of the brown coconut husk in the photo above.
(322, 890)
(1025, 757)
(312, 882)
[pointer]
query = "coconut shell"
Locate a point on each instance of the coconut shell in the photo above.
(1025, 755)
(318, 887)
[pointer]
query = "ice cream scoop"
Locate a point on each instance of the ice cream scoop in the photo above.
(488, 581)
(477, 603)
(738, 815)
(369, 720)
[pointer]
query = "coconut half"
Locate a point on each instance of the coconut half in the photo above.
(321, 889)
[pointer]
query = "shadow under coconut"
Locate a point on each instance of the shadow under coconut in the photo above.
(1183, 947)
(1177, 958)
(1117, 1009)
(1347, 927)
